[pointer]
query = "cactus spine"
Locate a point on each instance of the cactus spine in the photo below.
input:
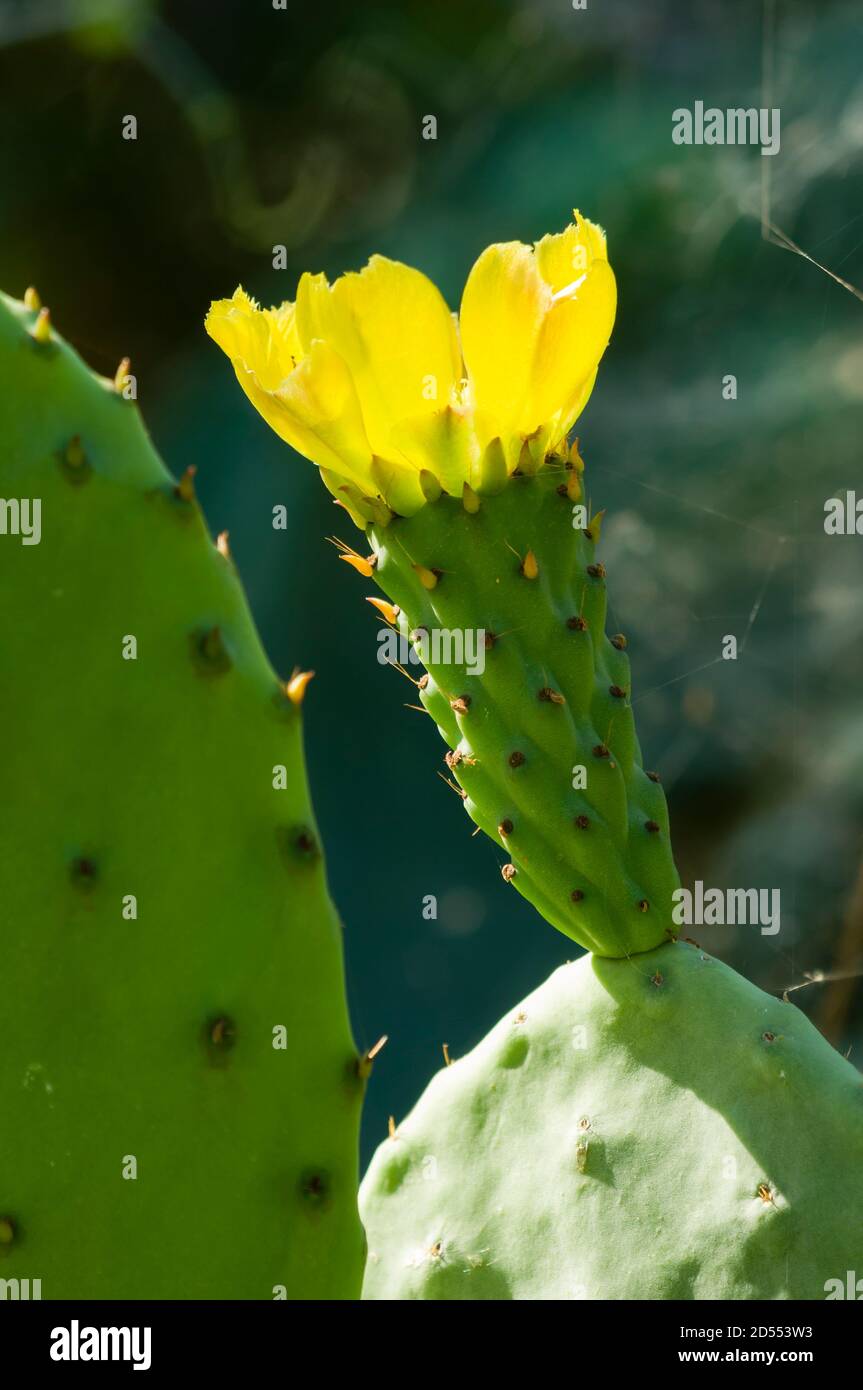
(180, 1091)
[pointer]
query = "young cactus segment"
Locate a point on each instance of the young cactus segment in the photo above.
(179, 1089)
(540, 724)
(650, 1129)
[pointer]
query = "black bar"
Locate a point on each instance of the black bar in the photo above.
(226, 1339)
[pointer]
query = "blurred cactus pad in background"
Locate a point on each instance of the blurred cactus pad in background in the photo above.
(304, 148)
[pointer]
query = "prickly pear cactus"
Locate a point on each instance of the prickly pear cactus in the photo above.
(648, 1124)
(450, 446)
(656, 1128)
(180, 1092)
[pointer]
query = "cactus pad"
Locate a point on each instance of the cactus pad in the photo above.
(542, 741)
(657, 1128)
(180, 1091)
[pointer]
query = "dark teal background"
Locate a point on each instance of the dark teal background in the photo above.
(303, 127)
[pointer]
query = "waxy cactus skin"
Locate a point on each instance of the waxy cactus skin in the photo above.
(554, 697)
(144, 1043)
(656, 1128)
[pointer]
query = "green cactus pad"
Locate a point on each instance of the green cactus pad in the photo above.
(657, 1128)
(554, 697)
(165, 910)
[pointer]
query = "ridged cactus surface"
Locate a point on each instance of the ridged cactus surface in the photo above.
(179, 1089)
(542, 739)
(656, 1128)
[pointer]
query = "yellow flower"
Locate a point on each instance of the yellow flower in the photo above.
(369, 379)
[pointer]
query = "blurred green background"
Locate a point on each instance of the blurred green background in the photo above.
(302, 127)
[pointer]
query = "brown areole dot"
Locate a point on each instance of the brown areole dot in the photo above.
(508, 872)
(209, 651)
(505, 828)
(577, 895)
(618, 641)
(600, 751)
(617, 691)
(651, 826)
(582, 822)
(423, 681)
(768, 1037)
(550, 696)
(315, 1187)
(657, 979)
(489, 638)
(577, 624)
(8, 1231)
(654, 776)
(516, 759)
(84, 871)
(220, 1034)
(597, 571)
(644, 905)
(74, 462)
(298, 843)
(461, 704)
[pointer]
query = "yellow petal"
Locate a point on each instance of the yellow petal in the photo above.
(316, 410)
(308, 398)
(503, 306)
(264, 340)
(577, 328)
(392, 328)
(573, 338)
(564, 256)
(316, 316)
(534, 324)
